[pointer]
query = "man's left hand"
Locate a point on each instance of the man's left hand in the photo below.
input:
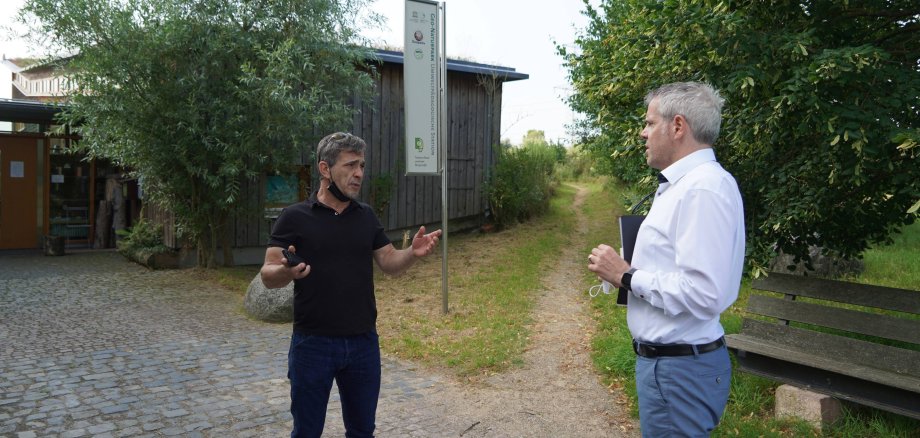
(607, 264)
(423, 244)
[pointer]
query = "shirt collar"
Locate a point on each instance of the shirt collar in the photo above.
(314, 202)
(681, 167)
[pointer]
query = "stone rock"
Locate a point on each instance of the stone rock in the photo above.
(269, 305)
(826, 266)
(818, 409)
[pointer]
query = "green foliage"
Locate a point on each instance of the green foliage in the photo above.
(382, 188)
(197, 96)
(537, 138)
(143, 239)
(521, 183)
(822, 119)
(576, 165)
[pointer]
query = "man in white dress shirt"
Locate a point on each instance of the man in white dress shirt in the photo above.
(686, 266)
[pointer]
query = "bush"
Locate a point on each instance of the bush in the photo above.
(577, 164)
(141, 240)
(521, 183)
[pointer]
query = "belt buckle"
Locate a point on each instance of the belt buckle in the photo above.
(645, 350)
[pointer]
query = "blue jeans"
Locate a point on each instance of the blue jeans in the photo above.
(682, 396)
(353, 362)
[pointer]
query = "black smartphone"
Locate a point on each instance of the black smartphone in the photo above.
(292, 258)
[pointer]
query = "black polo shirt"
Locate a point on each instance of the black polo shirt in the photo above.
(337, 297)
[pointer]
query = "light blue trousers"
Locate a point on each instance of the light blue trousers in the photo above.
(682, 396)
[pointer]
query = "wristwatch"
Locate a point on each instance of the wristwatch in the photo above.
(626, 280)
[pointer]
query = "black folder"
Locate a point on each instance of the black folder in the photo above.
(629, 228)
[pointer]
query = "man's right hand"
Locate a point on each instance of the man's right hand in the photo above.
(275, 271)
(300, 269)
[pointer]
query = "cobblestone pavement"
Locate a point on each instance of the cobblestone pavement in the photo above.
(93, 345)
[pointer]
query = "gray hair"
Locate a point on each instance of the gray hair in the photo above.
(699, 103)
(332, 145)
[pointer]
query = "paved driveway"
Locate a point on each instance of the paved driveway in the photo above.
(93, 345)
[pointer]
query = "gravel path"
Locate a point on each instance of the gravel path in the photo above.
(556, 393)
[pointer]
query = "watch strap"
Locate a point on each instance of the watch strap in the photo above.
(626, 280)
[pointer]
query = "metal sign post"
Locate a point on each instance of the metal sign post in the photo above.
(425, 88)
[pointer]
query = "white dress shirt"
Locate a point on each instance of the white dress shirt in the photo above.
(689, 255)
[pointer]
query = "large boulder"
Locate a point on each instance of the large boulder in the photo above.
(269, 305)
(825, 265)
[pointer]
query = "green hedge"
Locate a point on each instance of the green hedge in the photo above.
(522, 183)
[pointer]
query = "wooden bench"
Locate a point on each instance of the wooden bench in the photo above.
(786, 346)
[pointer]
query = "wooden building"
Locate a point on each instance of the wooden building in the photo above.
(44, 189)
(402, 202)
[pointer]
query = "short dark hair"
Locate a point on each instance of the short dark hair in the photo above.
(332, 145)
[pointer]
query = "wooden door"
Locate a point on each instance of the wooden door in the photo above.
(19, 193)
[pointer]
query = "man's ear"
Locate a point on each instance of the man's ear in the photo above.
(679, 126)
(324, 169)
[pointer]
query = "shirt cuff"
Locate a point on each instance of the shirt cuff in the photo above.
(641, 285)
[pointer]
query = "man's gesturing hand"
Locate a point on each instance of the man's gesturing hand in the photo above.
(423, 244)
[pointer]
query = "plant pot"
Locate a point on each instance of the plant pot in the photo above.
(54, 245)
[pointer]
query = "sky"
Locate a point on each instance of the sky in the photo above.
(511, 33)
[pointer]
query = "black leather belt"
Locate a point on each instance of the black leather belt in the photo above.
(653, 350)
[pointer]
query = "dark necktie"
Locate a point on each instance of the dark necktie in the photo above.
(662, 179)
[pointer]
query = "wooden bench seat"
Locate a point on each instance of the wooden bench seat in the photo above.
(811, 344)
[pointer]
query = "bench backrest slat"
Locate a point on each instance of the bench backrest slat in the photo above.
(839, 348)
(883, 326)
(879, 297)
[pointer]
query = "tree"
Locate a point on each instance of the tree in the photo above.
(821, 126)
(535, 138)
(196, 96)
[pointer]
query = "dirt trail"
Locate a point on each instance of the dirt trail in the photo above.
(556, 393)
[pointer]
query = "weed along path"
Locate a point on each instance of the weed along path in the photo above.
(556, 392)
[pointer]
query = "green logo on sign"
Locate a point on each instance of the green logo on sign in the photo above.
(419, 144)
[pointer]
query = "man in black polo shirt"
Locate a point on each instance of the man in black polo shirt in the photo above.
(335, 312)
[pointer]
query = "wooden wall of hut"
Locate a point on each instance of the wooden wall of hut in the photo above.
(401, 202)
(474, 120)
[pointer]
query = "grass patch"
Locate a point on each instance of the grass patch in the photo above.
(232, 278)
(894, 265)
(612, 343)
(750, 407)
(493, 284)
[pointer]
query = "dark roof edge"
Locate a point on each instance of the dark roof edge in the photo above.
(506, 74)
(28, 111)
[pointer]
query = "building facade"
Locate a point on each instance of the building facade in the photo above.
(77, 198)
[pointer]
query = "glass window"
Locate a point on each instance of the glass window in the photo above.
(70, 193)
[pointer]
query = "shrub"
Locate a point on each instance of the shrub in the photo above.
(141, 240)
(577, 164)
(521, 183)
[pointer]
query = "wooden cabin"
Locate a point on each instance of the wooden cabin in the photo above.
(402, 202)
